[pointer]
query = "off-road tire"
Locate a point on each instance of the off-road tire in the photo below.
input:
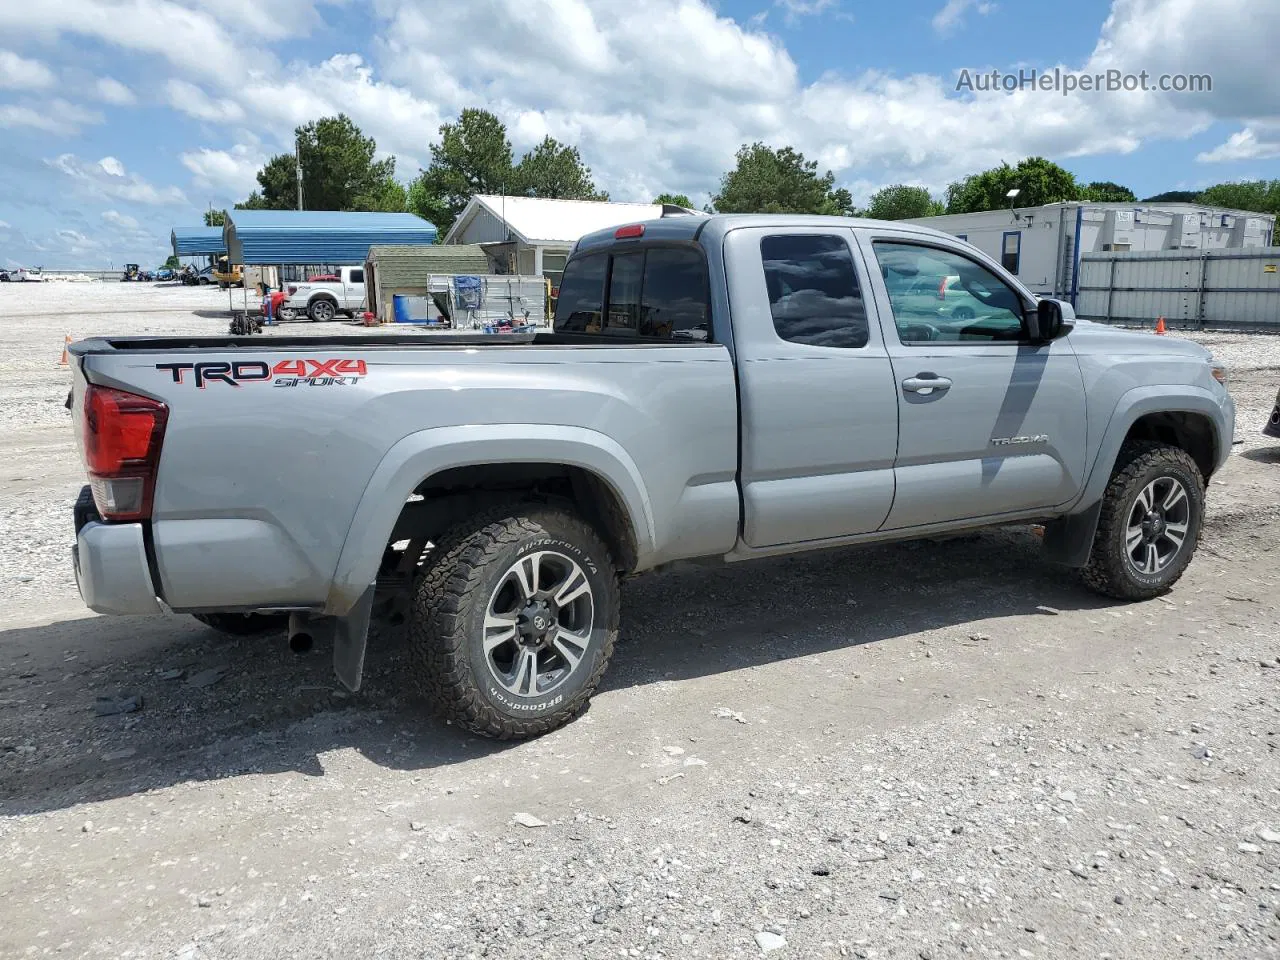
(243, 624)
(1109, 571)
(447, 661)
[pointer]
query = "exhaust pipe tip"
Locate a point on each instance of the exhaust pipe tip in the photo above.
(300, 638)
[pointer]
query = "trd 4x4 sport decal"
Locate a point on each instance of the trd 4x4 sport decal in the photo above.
(284, 373)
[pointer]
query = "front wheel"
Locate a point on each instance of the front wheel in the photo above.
(1150, 523)
(514, 620)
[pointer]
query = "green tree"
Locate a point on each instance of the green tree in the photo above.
(171, 263)
(1174, 196)
(388, 197)
(677, 199)
(339, 171)
(1255, 196)
(556, 171)
(1104, 191)
(900, 202)
(1039, 181)
(765, 180)
(215, 218)
(473, 156)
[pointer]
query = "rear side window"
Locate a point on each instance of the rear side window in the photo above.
(813, 291)
(357, 276)
(581, 300)
(676, 301)
(653, 293)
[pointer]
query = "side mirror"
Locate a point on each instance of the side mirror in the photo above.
(1048, 322)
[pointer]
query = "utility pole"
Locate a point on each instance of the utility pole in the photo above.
(297, 154)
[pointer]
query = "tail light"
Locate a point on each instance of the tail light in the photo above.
(292, 290)
(942, 289)
(122, 433)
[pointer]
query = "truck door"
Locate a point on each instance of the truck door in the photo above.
(353, 287)
(818, 399)
(988, 422)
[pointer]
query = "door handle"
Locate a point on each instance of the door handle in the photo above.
(925, 383)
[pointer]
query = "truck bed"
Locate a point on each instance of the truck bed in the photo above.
(287, 459)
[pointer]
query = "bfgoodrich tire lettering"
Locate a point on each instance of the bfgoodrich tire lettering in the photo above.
(472, 625)
(1131, 558)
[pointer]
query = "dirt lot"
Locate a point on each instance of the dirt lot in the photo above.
(919, 751)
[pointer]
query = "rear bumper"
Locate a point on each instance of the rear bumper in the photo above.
(112, 573)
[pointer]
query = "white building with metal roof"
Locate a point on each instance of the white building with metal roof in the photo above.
(532, 236)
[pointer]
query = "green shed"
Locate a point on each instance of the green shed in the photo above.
(407, 269)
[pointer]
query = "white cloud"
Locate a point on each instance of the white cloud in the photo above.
(191, 40)
(4, 225)
(54, 116)
(658, 94)
(1260, 142)
(793, 10)
(402, 121)
(194, 102)
(231, 173)
(953, 13)
(19, 73)
(1230, 39)
(76, 243)
(110, 90)
(109, 178)
(121, 220)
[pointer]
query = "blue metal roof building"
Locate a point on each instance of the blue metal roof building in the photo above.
(197, 241)
(317, 236)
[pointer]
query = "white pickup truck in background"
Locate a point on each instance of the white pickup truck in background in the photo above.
(325, 299)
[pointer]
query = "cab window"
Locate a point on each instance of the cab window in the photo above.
(581, 302)
(814, 296)
(649, 293)
(940, 296)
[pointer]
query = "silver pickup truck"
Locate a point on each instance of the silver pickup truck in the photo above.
(730, 387)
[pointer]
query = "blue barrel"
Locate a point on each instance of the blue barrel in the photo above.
(400, 308)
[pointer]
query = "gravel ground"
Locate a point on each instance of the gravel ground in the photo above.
(919, 751)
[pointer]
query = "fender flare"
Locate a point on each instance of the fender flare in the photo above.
(1069, 539)
(427, 452)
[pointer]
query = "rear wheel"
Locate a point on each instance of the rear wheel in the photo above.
(1150, 523)
(514, 620)
(322, 310)
(243, 624)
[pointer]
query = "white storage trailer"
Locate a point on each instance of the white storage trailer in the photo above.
(1044, 245)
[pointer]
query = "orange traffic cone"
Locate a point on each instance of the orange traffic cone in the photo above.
(1160, 326)
(65, 356)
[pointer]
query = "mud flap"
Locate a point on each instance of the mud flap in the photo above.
(350, 636)
(1069, 540)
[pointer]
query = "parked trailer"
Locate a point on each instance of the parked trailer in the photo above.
(1190, 288)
